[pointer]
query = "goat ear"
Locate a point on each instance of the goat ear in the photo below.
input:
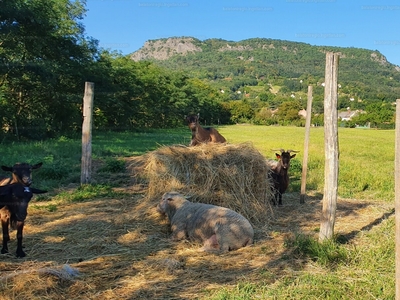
(292, 155)
(5, 168)
(37, 191)
(278, 156)
(37, 166)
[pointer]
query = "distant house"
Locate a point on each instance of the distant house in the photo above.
(342, 115)
(348, 114)
(303, 113)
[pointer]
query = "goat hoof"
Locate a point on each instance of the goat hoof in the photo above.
(4, 251)
(21, 254)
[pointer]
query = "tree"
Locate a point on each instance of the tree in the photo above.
(289, 111)
(135, 95)
(377, 114)
(44, 57)
(240, 111)
(264, 117)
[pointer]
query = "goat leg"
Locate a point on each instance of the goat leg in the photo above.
(280, 199)
(6, 235)
(275, 199)
(20, 228)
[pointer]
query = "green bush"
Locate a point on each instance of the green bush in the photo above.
(113, 165)
(327, 253)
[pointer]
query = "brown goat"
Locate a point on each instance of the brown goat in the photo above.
(279, 174)
(202, 135)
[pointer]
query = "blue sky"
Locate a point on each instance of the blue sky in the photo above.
(125, 25)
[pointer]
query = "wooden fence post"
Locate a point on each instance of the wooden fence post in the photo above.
(86, 162)
(397, 197)
(331, 147)
(306, 141)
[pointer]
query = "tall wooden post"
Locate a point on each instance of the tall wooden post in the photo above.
(306, 141)
(397, 197)
(86, 162)
(331, 147)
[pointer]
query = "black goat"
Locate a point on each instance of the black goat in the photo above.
(279, 174)
(21, 172)
(15, 195)
(14, 200)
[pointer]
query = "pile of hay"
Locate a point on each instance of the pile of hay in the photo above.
(233, 176)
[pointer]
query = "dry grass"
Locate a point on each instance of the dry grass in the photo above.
(120, 245)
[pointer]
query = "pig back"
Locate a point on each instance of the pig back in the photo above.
(204, 220)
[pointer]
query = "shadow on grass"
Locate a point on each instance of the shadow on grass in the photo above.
(346, 238)
(293, 218)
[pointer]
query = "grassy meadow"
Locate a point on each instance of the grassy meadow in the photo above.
(121, 254)
(366, 158)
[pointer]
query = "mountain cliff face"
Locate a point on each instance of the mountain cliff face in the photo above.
(165, 48)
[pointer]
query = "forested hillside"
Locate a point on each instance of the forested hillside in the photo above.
(276, 71)
(364, 74)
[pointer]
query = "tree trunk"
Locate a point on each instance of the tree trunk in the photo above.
(306, 141)
(331, 147)
(86, 163)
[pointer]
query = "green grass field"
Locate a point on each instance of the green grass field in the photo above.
(366, 163)
(366, 158)
(357, 265)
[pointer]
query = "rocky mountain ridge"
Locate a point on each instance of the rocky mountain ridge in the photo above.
(164, 49)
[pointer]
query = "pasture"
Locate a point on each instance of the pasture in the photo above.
(122, 251)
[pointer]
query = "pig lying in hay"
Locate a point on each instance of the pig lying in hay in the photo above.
(219, 228)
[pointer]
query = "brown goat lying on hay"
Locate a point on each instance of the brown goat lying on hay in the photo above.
(219, 228)
(202, 135)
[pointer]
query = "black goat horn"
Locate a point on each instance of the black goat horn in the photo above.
(293, 151)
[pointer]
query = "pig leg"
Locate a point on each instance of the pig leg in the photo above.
(178, 232)
(211, 244)
(228, 240)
